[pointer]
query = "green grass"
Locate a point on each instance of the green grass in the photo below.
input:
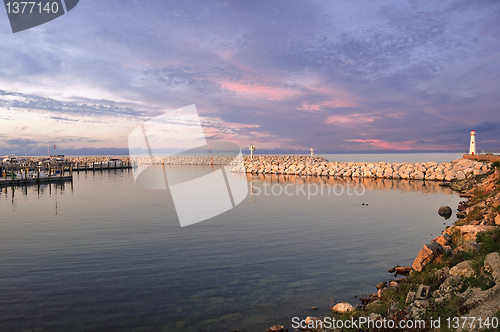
(490, 241)
(443, 310)
(495, 164)
(475, 214)
(476, 281)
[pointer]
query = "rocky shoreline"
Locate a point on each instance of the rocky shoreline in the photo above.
(457, 274)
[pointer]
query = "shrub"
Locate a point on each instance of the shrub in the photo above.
(475, 214)
(490, 241)
(476, 281)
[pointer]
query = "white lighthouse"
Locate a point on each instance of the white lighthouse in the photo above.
(472, 149)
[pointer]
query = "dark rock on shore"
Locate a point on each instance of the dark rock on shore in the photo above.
(445, 211)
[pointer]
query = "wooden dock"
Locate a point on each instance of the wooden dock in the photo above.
(32, 181)
(52, 173)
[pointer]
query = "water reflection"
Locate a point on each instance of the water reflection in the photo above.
(39, 191)
(426, 187)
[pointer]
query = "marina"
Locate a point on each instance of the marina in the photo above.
(17, 171)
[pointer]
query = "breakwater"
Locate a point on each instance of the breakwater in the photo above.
(315, 166)
(186, 160)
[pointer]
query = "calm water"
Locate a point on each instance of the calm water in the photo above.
(102, 254)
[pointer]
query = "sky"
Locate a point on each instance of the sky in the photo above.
(338, 76)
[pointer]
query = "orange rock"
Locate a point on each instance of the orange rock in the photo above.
(469, 232)
(403, 269)
(441, 240)
(426, 255)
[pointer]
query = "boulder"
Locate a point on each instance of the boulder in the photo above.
(469, 232)
(497, 220)
(445, 211)
(450, 175)
(492, 265)
(402, 269)
(443, 239)
(342, 307)
(449, 284)
(426, 255)
(419, 175)
(469, 246)
(463, 269)
(410, 297)
(442, 274)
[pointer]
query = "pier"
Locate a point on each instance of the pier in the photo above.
(482, 157)
(34, 170)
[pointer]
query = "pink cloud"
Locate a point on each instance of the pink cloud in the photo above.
(380, 144)
(259, 91)
(347, 120)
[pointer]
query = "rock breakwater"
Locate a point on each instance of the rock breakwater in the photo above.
(458, 169)
(189, 160)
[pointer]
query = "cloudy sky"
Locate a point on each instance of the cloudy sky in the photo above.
(339, 76)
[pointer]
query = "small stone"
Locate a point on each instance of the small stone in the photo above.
(374, 316)
(393, 284)
(410, 297)
(314, 322)
(421, 303)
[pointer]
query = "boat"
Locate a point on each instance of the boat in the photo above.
(114, 162)
(13, 160)
(58, 159)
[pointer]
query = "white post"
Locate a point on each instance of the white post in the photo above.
(312, 152)
(252, 149)
(472, 149)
